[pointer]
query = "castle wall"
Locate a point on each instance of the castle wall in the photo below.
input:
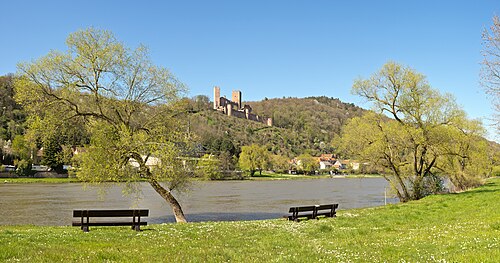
(234, 108)
(239, 114)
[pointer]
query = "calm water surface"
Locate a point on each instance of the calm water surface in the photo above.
(52, 204)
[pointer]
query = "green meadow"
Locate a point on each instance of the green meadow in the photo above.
(462, 227)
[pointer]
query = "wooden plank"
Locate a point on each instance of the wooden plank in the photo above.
(301, 211)
(110, 223)
(326, 210)
(305, 208)
(111, 213)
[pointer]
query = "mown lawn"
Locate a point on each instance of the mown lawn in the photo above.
(461, 227)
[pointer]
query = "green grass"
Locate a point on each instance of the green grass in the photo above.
(461, 227)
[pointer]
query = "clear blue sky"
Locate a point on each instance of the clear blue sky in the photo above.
(273, 48)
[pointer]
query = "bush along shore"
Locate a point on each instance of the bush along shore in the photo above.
(462, 227)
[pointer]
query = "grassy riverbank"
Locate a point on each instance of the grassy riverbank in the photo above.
(461, 227)
(264, 176)
(31, 180)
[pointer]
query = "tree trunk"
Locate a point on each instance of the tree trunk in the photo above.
(167, 195)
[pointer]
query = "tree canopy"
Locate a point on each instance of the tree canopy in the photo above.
(12, 116)
(125, 102)
(413, 132)
(253, 158)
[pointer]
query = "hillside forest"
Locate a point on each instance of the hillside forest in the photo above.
(302, 126)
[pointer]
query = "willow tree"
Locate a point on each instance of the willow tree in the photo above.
(490, 71)
(125, 102)
(253, 158)
(410, 132)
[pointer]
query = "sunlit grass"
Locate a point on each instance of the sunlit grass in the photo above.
(461, 227)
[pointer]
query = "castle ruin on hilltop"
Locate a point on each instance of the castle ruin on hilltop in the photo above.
(234, 107)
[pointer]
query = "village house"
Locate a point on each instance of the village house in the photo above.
(330, 161)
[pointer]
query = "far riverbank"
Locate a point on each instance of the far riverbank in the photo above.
(265, 176)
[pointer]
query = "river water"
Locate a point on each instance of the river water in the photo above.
(52, 204)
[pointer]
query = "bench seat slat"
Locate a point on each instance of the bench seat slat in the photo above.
(110, 224)
(133, 217)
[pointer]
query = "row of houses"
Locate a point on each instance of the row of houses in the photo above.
(332, 162)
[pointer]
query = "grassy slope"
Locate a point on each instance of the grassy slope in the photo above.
(445, 228)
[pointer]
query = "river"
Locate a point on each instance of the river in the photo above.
(52, 204)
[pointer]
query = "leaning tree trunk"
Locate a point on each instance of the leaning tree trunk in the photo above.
(167, 195)
(164, 193)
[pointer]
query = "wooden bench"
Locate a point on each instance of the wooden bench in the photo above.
(136, 215)
(312, 212)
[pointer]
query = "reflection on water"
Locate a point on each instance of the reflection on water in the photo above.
(52, 204)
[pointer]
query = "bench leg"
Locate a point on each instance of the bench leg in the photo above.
(85, 228)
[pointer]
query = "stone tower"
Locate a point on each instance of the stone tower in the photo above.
(216, 97)
(236, 98)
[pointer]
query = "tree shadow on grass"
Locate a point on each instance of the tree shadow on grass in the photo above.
(215, 217)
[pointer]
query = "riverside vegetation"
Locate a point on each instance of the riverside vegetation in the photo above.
(462, 227)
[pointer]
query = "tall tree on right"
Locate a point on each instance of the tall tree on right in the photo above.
(413, 133)
(490, 71)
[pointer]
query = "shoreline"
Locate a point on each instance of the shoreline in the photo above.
(264, 177)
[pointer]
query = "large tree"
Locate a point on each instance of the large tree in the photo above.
(411, 132)
(490, 72)
(253, 158)
(125, 102)
(12, 116)
(308, 164)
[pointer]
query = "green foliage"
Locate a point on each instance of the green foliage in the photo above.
(279, 163)
(495, 171)
(428, 136)
(21, 148)
(12, 116)
(307, 163)
(123, 102)
(52, 154)
(253, 158)
(300, 125)
(210, 167)
(23, 167)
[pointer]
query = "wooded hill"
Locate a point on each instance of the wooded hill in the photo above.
(301, 125)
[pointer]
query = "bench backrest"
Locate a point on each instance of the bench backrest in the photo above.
(110, 213)
(299, 209)
(327, 207)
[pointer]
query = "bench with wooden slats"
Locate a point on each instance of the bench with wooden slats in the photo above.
(312, 212)
(129, 217)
